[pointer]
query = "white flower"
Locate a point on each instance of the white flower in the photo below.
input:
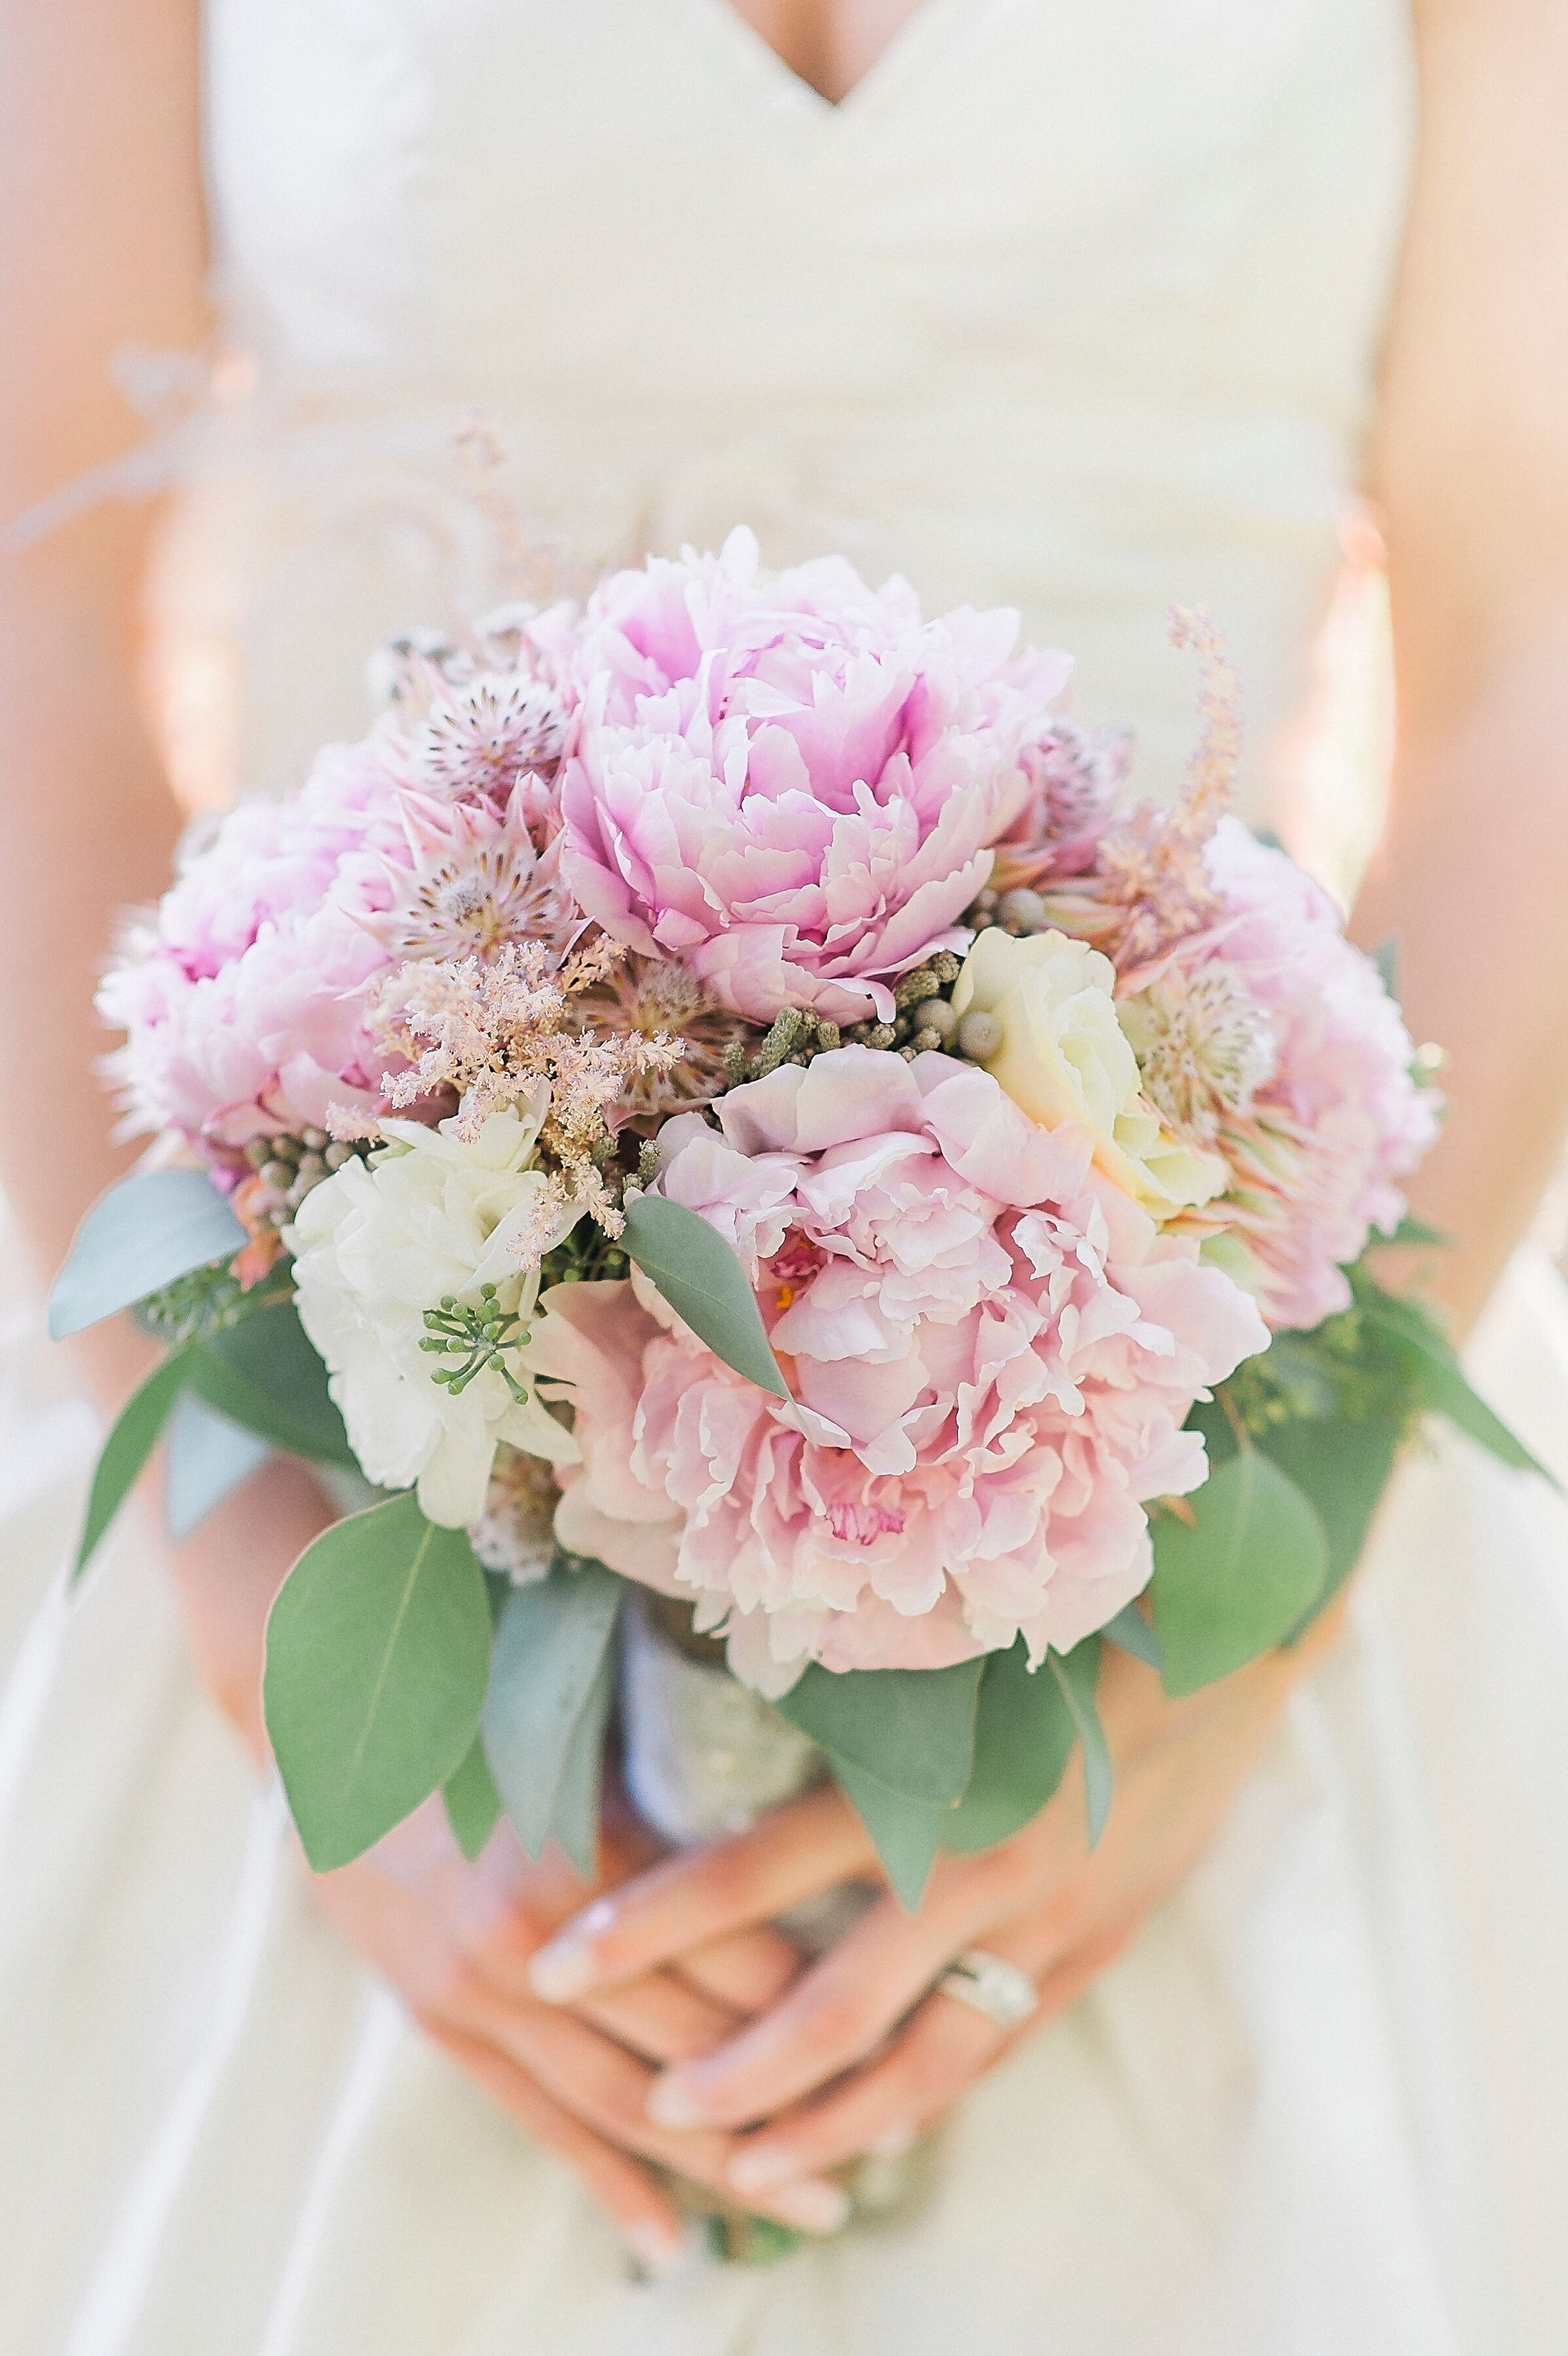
(383, 1242)
(1064, 1057)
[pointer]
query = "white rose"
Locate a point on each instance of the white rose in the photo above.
(381, 1242)
(1065, 1057)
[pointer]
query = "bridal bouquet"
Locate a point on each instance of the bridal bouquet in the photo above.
(720, 1096)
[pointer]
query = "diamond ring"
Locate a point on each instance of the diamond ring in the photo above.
(990, 1986)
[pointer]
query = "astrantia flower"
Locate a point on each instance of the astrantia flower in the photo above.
(652, 1000)
(791, 784)
(479, 737)
(384, 1242)
(472, 882)
(992, 1353)
(1205, 1046)
(1314, 1143)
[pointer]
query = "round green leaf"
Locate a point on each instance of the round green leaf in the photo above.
(549, 1700)
(378, 1654)
(908, 1833)
(1241, 1577)
(1023, 1735)
(913, 1730)
(704, 1283)
(152, 1227)
(265, 1375)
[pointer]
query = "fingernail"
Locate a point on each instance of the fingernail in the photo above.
(893, 2143)
(671, 2103)
(559, 1972)
(760, 2170)
(815, 2205)
(657, 2249)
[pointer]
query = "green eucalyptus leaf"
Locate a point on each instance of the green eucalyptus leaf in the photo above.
(1341, 1466)
(153, 1227)
(1133, 1632)
(913, 1730)
(1078, 1675)
(378, 1654)
(473, 1803)
(1023, 1734)
(1385, 957)
(1241, 1577)
(704, 1283)
(1443, 1386)
(577, 1796)
(265, 1375)
(908, 1833)
(1412, 1230)
(549, 1699)
(206, 1459)
(126, 1451)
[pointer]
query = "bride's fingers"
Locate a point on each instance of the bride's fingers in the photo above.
(933, 2059)
(630, 2195)
(833, 2017)
(747, 1971)
(607, 2089)
(686, 1902)
(879, 2107)
(662, 2017)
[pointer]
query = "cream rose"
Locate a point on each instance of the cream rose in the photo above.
(1065, 1057)
(381, 1242)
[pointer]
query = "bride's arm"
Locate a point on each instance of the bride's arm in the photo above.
(1473, 880)
(102, 244)
(1471, 468)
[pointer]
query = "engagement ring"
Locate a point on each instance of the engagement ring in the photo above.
(989, 1985)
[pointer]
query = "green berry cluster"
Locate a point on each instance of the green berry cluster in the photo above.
(479, 1335)
(208, 1300)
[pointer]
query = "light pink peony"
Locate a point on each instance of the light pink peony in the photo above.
(1336, 1116)
(992, 1350)
(792, 783)
(244, 1006)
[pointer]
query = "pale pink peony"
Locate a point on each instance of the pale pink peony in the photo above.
(245, 1003)
(992, 1353)
(1331, 1115)
(792, 783)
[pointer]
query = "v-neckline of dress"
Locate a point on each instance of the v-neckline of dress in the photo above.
(894, 64)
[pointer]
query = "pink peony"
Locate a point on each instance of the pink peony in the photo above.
(1329, 1117)
(792, 784)
(992, 1353)
(245, 1005)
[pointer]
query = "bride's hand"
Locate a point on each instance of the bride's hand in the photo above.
(860, 2052)
(455, 1940)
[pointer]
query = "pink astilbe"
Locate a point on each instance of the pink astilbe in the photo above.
(792, 784)
(491, 1032)
(1147, 884)
(992, 1351)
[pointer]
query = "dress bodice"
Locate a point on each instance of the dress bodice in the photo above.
(1073, 307)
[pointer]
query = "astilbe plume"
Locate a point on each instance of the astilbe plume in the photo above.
(490, 1033)
(1149, 885)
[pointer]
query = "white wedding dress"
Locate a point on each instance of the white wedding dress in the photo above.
(1071, 306)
